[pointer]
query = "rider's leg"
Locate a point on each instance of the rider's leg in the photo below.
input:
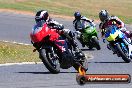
(81, 40)
(71, 38)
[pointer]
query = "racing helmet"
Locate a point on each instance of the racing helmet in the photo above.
(41, 15)
(103, 15)
(77, 15)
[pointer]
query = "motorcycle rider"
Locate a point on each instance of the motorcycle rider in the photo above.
(78, 23)
(42, 16)
(107, 20)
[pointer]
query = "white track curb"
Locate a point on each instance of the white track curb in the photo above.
(9, 64)
(15, 42)
(23, 63)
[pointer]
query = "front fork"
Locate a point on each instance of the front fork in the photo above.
(111, 47)
(51, 51)
(128, 43)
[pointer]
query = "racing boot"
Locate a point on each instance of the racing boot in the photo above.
(74, 45)
(78, 65)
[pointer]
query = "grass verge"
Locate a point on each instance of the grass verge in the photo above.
(89, 8)
(15, 53)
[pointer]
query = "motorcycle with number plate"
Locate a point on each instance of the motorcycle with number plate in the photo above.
(118, 42)
(54, 50)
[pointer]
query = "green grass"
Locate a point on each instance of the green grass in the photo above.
(89, 8)
(11, 53)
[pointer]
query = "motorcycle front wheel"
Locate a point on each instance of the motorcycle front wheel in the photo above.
(122, 54)
(96, 43)
(51, 62)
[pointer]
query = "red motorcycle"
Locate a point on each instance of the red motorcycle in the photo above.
(55, 51)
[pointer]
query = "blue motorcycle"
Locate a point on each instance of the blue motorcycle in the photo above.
(118, 43)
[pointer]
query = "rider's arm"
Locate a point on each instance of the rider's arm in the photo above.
(119, 23)
(86, 19)
(56, 25)
(102, 30)
(102, 33)
(77, 25)
(74, 21)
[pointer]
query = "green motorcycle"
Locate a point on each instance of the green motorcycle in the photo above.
(89, 36)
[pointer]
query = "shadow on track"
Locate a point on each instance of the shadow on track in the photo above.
(87, 49)
(43, 72)
(107, 62)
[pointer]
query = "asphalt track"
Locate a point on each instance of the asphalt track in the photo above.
(17, 27)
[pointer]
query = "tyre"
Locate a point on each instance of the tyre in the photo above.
(90, 47)
(122, 54)
(51, 63)
(96, 43)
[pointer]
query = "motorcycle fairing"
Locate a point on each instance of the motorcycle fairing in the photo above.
(62, 44)
(111, 33)
(38, 33)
